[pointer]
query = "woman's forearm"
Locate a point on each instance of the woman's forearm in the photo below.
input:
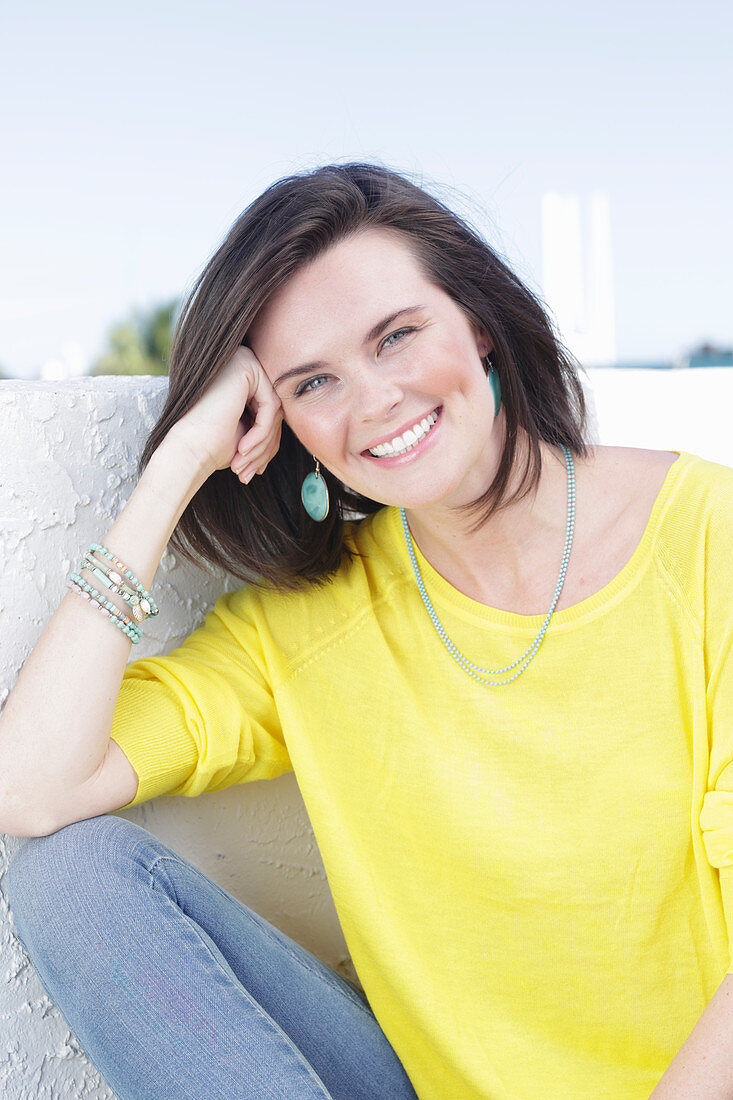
(54, 730)
(702, 1069)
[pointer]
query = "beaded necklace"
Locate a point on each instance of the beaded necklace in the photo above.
(476, 671)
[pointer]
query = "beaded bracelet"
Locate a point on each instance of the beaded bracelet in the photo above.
(139, 600)
(146, 602)
(108, 609)
(140, 606)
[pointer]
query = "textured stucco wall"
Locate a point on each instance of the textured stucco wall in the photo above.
(68, 453)
(67, 461)
(676, 410)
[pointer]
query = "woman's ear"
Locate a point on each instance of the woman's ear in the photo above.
(484, 343)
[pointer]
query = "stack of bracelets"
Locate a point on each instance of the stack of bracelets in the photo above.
(136, 597)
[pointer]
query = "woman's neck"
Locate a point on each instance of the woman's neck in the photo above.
(512, 560)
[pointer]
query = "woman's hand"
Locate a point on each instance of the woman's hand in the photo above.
(237, 421)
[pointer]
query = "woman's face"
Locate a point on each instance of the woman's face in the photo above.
(361, 348)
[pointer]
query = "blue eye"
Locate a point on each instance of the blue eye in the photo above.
(400, 332)
(310, 384)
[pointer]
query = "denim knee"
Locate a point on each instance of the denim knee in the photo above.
(48, 870)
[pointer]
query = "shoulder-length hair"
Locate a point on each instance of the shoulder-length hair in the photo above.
(260, 532)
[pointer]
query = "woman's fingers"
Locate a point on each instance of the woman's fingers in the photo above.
(260, 443)
(253, 448)
(268, 414)
(253, 464)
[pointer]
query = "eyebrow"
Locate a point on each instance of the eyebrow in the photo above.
(373, 333)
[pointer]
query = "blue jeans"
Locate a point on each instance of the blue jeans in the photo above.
(175, 989)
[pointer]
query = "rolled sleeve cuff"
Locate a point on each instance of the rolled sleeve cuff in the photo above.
(162, 751)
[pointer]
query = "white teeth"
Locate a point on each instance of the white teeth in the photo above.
(405, 442)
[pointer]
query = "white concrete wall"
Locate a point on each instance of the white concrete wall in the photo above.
(67, 465)
(675, 410)
(68, 452)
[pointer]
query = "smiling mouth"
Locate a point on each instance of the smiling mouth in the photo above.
(401, 444)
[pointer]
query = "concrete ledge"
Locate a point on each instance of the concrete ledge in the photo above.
(68, 456)
(676, 410)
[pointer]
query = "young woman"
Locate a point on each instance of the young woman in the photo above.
(494, 655)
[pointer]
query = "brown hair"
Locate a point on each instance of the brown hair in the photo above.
(260, 531)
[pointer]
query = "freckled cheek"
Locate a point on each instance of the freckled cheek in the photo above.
(442, 380)
(320, 433)
(440, 372)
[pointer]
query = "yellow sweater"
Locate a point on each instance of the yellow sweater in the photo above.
(526, 876)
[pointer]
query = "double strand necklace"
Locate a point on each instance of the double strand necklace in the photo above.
(482, 674)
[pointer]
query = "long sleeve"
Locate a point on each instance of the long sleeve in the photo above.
(716, 818)
(202, 717)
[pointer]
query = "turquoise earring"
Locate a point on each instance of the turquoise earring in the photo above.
(314, 494)
(494, 382)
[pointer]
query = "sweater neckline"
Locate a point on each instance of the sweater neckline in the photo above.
(443, 592)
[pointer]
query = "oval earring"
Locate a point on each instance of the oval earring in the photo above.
(314, 494)
(494, 383)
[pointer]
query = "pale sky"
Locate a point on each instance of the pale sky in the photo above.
(133, 136)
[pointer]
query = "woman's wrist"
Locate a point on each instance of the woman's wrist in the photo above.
(188, 452)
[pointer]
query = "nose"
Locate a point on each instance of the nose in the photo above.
(376, 396)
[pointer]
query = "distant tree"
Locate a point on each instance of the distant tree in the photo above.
(141, 345)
